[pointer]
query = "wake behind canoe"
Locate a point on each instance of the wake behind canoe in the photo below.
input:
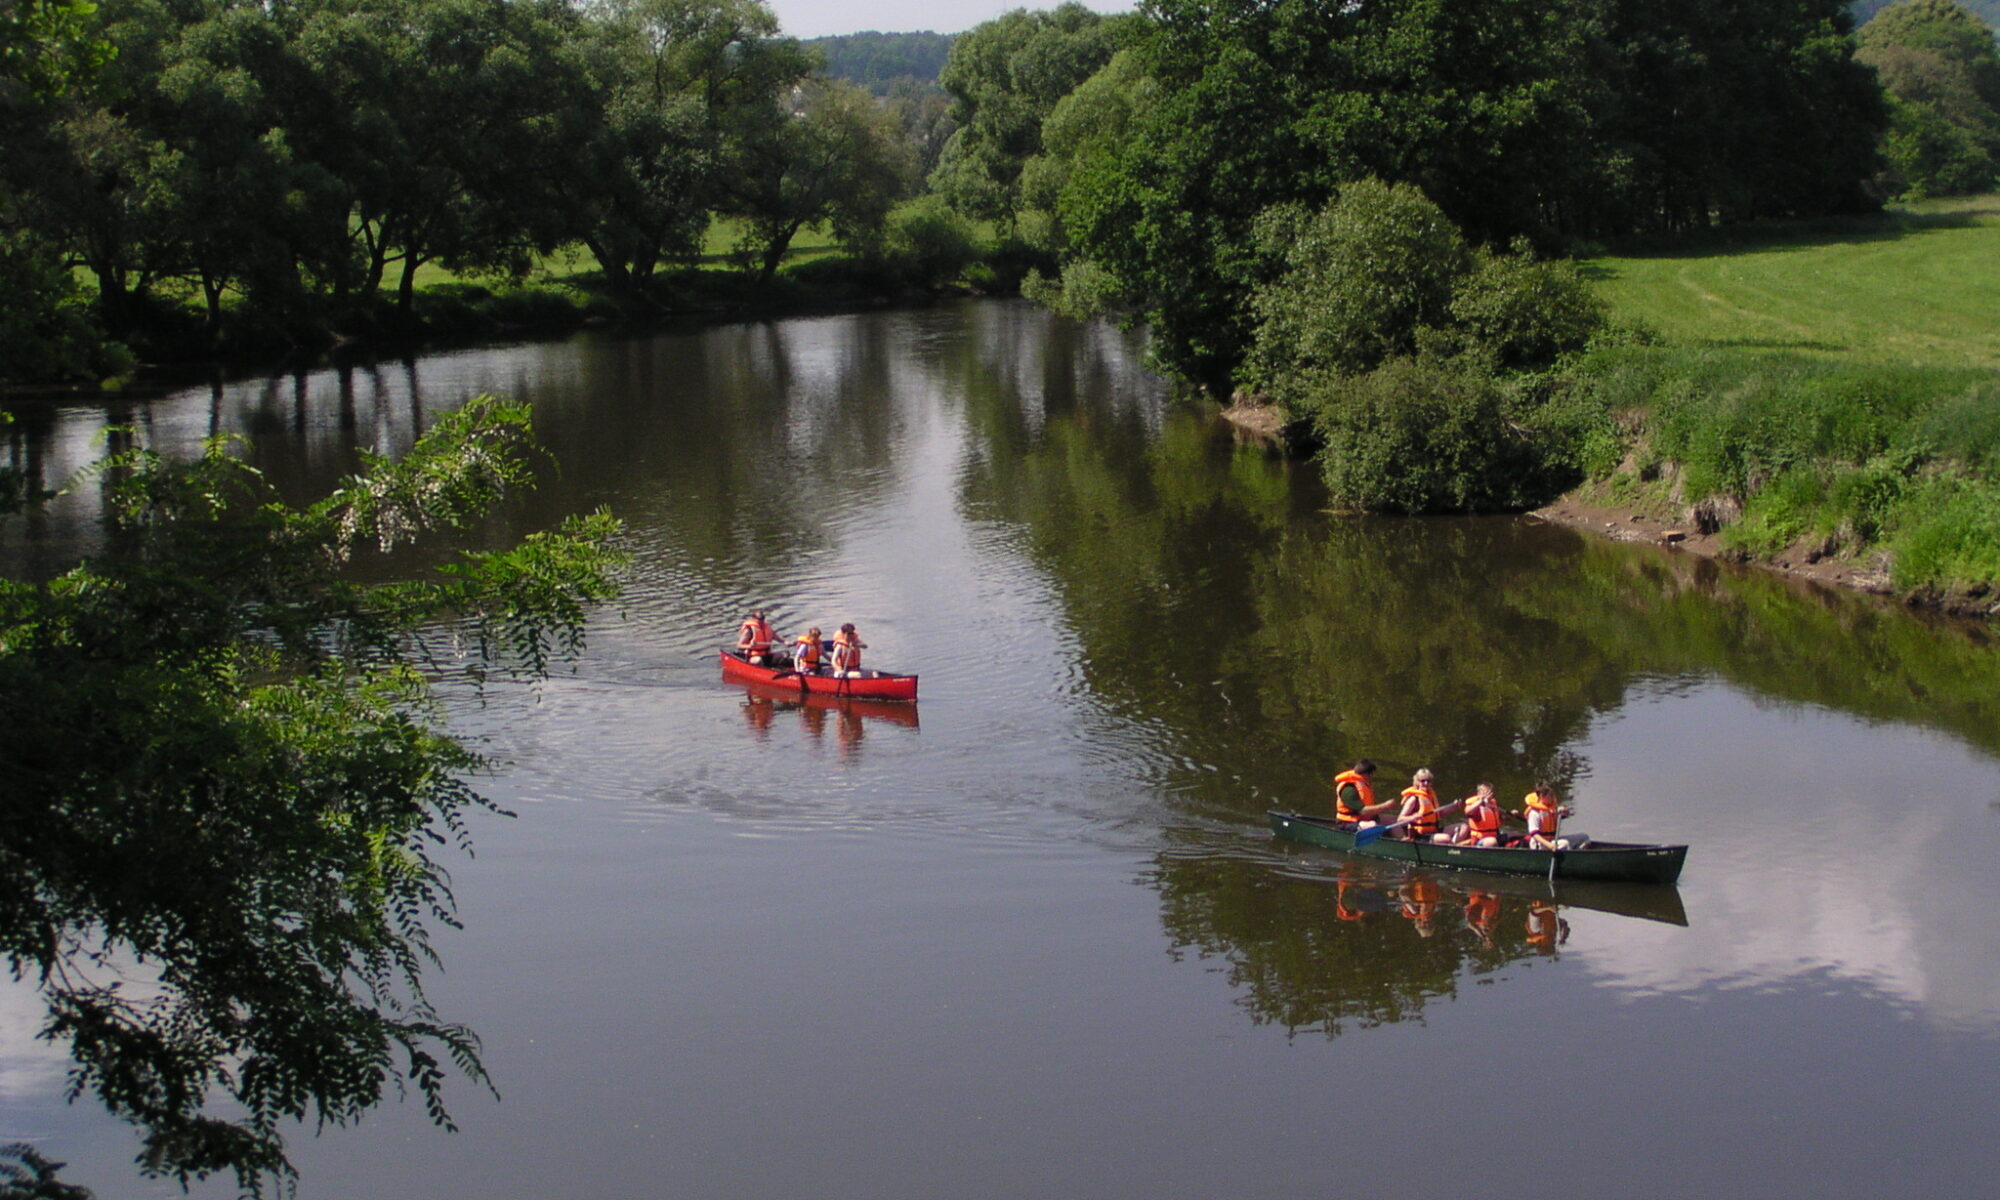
(1621, 862)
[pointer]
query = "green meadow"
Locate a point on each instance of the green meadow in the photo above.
(1919, 285)
(1834, 385)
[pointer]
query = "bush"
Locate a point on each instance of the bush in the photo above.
(1425, 434)
(928, 244)
(1527, 313)
(1947, 535)
(1355, 283)
(48, 331)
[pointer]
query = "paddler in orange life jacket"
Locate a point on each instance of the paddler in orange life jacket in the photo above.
(1544, 816)
(847, 648)
(1354, 795)
(1420, 813)
(807, 657)
(1482, 819)
(754, 638)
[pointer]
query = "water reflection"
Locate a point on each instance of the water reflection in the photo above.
(1135, 638)
(1321, 940)
(765, 704)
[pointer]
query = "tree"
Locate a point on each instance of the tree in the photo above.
(1515, 118)
(831, 154)
(450, 124)
(673, 78)
(226, 784)
(1941, 70)
(1004, 77)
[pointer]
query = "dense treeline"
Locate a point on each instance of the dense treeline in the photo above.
(1358, 210)
(1587, 121)
(881, 62)
(292, 167)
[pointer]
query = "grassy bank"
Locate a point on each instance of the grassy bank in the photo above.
(922, 255)
(1818, 391)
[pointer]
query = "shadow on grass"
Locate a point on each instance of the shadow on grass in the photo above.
(1782, 236)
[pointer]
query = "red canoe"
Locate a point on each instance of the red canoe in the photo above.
(872, 685)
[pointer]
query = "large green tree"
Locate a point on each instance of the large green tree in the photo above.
(1941, 69)
(673, 79)
(226, 785)
(1004, 78)
(1514, 117)
(828, 154)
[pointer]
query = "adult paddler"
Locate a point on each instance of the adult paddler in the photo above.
(754, 637)
(1354, 795)
(1421, 812)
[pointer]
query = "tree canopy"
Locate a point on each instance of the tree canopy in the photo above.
(1515, 118)
(1941, 70)
(227, 786)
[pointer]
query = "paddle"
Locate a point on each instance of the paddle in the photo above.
(1374, 832)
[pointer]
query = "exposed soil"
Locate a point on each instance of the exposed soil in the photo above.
(1683, 533)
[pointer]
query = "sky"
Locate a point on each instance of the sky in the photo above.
(818, 18)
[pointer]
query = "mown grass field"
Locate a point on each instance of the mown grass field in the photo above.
(1919, 285)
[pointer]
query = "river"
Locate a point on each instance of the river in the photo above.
(1032, 937)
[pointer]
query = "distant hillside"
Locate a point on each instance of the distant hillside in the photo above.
(877, 60)
(1986, 10)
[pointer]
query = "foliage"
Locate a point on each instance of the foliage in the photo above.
(48, 330)
(228, 783)
(1354, 284)
(1941, 70)
(928, 243)
(673, 77)
(879, 61)
(1514, 118)
(45, 44)
(838, 159)
(1004, 77)
(1425, 434)
(27, 1174)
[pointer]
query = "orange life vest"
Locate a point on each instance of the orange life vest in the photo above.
(1425, 822)
(808, 653)
(846, 652)
(756, 636)
(1542, 815)
(1361, 786)
(1482, 819)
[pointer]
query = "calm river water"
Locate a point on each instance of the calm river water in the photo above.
(1032, 938)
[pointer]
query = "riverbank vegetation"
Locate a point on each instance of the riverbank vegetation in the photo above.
(1368, 215)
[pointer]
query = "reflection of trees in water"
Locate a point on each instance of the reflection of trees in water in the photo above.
(1271, 643)
(1366, 948)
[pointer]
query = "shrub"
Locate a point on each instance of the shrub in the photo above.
(928, 244)
(1355, 283)
(1947, 535)
(1425, 434)
(1526, 312)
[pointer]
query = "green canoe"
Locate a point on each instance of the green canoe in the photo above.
(1609, 862)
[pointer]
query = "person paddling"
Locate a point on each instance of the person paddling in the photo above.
(1421, 812)
(1544, 816)
(1482, 820)
(754, 637)
(807, 657)
(847, 648)
(1354, 795)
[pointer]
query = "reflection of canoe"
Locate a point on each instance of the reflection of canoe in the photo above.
(873, 685)
(787, 692)
(1618, 862)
